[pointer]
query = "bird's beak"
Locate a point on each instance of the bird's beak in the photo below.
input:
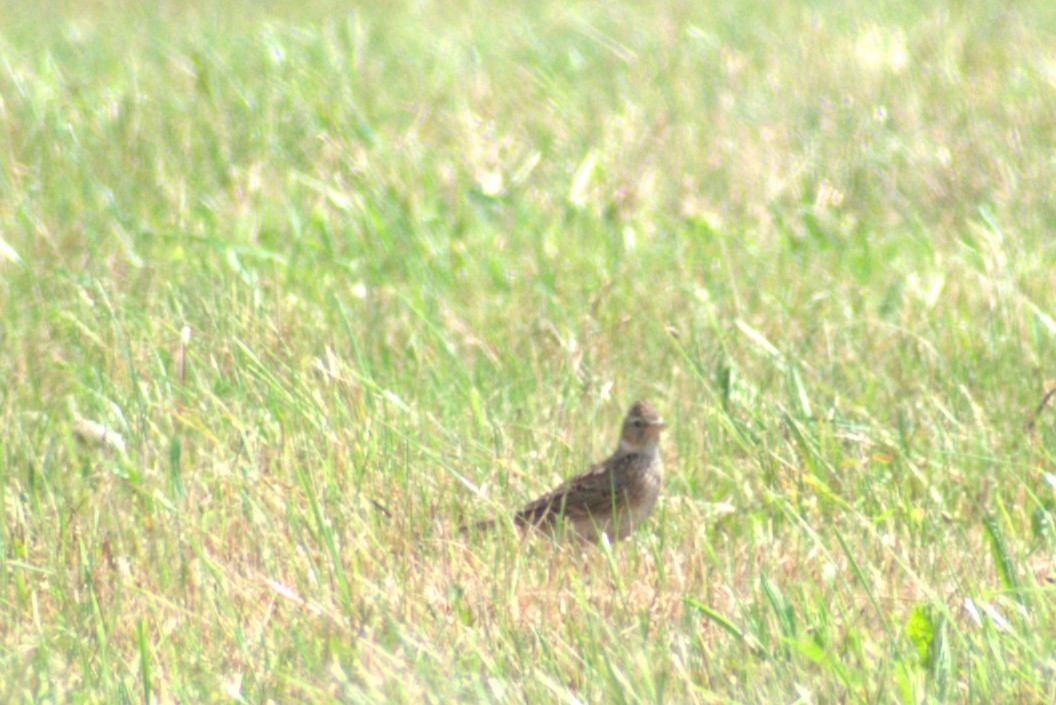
(659, 425)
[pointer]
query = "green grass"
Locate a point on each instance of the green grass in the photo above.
(428, 253)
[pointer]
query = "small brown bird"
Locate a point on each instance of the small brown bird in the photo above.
(612, 497)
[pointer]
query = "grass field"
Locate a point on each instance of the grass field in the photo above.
(341, 278)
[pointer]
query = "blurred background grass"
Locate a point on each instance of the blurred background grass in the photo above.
(342, 277)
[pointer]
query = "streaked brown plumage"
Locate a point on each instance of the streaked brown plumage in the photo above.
(612, 497)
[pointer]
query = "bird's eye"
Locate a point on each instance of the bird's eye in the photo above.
(638, 423)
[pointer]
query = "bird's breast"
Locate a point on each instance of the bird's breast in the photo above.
(647, 489)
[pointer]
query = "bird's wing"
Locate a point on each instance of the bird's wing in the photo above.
(594, 492)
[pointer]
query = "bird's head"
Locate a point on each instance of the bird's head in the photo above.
(641, 429)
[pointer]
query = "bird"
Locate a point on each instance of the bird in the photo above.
(614, 496)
